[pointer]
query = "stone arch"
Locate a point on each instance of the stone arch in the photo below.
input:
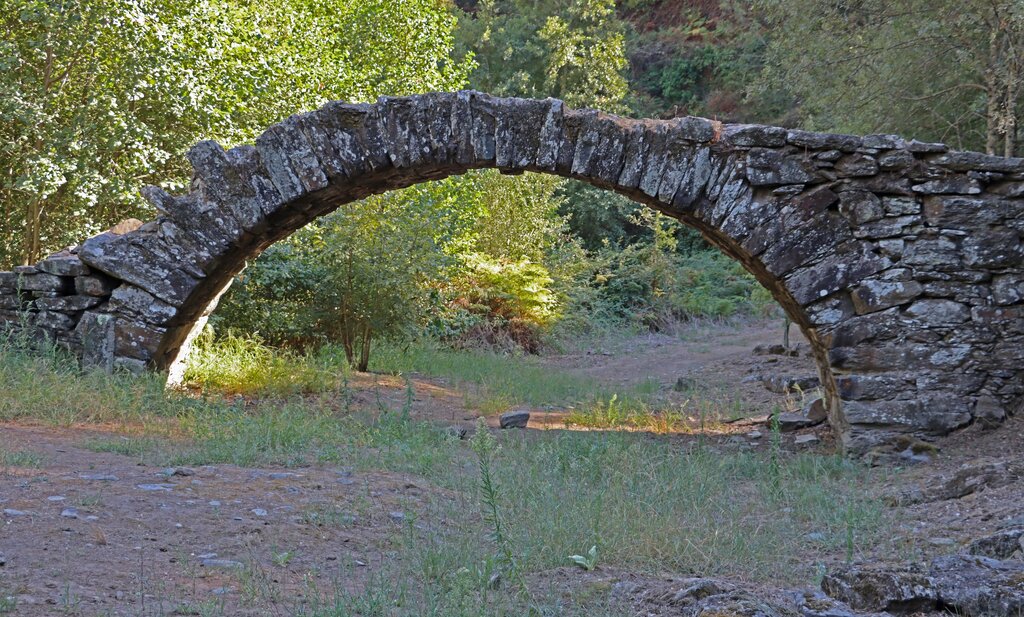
(900, 261)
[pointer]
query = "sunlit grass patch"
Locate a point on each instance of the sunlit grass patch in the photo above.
(496, 381)
(701, 411)
(233, 364)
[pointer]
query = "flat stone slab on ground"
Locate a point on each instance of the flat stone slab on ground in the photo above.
(514, 419)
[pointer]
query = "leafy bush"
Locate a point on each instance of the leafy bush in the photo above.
(508, 303)
(652, 284)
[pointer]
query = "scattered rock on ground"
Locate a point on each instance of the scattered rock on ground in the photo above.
(967, 585)
(814, 409)
(817, 604)
(515, 419)
(783, 384)
(1000, 545)
(177, 471)
(979, 586)
(776, 350)
(879, 588)
(790, 421)
(967, 480)
(227, 564)
(155, 487)
(902, 449)
(802, 440)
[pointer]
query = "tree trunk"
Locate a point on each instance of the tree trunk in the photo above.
(994, 93)
(992, 133)
(364, 352)
(1010, 126)
(348, 344)
(33, 233)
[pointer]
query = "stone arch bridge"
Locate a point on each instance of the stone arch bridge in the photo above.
(901, 261)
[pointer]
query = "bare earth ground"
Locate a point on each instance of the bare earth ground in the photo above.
(90, 533)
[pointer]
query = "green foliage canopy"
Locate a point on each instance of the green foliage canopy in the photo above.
(98, 97)
(948, 70)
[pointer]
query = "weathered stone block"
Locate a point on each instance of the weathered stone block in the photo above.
(64, 264)
(875, 386)
(129, 365)
(518, 133)
(901, 206)
(289, 160)
(993, 248)
(136, 340)
(52, 320)
(883, 141)
(44, 282)
(132, 301)
(965, 212)
(937, 252)
(953, 185)
(854, 165)
(889, 227)
(823, 141)
(11, 301)
(67, 304)
(749, 135)
(833, 310)
(686, 184)
(236, 195)
(925, 147)
(1008, 289)
(860, 206)
(876, 295)
(94, 285)
(16, 318)
(932, 312)
(96, 333)
(832, 274)
(896, 159)
(122, 258)
(976, 161)
(8, 282)
(770, 167)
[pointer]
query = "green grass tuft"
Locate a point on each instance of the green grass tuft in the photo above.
(20, 458)
(233, 364)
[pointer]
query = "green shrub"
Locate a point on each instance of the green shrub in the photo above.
(507, 304)
(651, 287)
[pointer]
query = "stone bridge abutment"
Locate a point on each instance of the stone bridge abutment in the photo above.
(901, 261)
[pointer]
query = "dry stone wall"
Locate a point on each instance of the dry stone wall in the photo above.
(901, 261)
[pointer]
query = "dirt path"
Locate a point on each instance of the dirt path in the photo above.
(92, 533)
